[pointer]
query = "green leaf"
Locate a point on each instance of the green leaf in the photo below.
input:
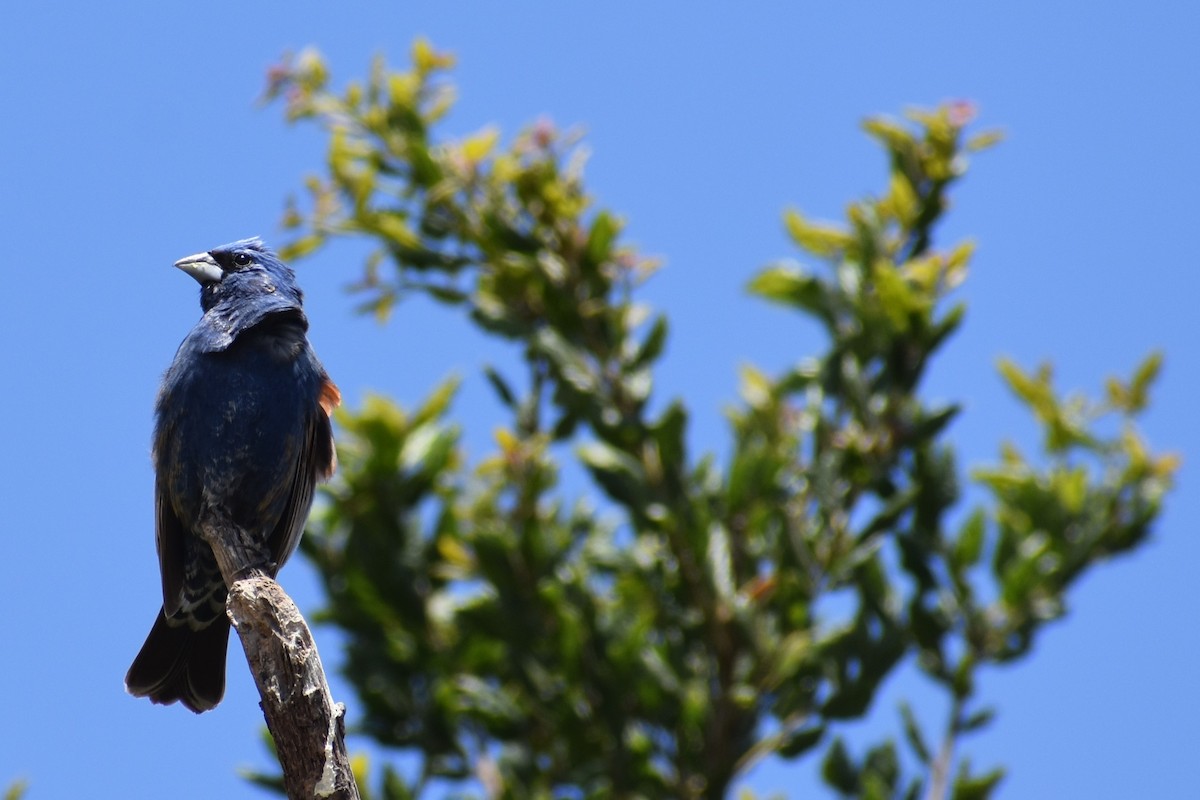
(982, 141)
(968, 547)
(792, 286)
(1033, 390)
(501, 387)
(848, 702)
(569, 361)
(945, 326)
(757, 389)
(438, 402)
(838, 770)
(929, 626)
(720, 564)
(500, 709)
(980, 719)
(912, 732)
(301, 247)
(652, 346)
(1143, 379)
(975, 788)
(800, 741)
(669, 433)
(902, 199)
(446, 294)
(1071, 488)
(600, 238)
(897, 297)
(793, 653)
(883, 761)
(427, 448)
(617, 472)
(934, 422)
(824, 240)
(963, 680)
(892, 134)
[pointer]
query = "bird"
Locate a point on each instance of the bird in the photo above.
(242, 435)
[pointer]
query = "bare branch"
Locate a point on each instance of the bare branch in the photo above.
(307, 726)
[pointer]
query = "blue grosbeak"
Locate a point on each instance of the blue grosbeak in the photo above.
(242, 436)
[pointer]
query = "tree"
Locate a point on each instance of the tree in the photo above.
(660, 643)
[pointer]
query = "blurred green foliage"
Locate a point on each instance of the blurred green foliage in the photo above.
(658, 643)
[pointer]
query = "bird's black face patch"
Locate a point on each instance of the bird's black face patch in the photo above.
(233, 260)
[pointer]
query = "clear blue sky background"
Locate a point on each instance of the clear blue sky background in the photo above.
(130, 138)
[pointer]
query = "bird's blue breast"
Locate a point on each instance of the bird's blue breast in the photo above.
(232, 422)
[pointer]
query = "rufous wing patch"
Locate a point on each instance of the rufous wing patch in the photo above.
(330, 397)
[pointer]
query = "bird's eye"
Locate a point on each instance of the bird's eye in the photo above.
(242, 259)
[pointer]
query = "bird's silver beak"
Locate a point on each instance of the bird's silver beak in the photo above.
(202, 267)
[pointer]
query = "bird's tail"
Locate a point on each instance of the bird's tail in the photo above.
(178, 663)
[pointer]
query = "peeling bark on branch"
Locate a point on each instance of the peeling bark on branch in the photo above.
(308, 727)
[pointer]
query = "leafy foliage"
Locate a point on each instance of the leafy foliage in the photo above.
(660, 644)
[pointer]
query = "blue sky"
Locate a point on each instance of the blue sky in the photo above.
(131, 138)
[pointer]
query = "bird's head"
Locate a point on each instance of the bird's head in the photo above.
(240, 284)
(239, 272)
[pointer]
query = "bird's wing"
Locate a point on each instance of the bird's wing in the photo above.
(169, 535)
(316, 461)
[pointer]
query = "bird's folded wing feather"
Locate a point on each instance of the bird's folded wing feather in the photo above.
(169, 535)
(317, 459)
